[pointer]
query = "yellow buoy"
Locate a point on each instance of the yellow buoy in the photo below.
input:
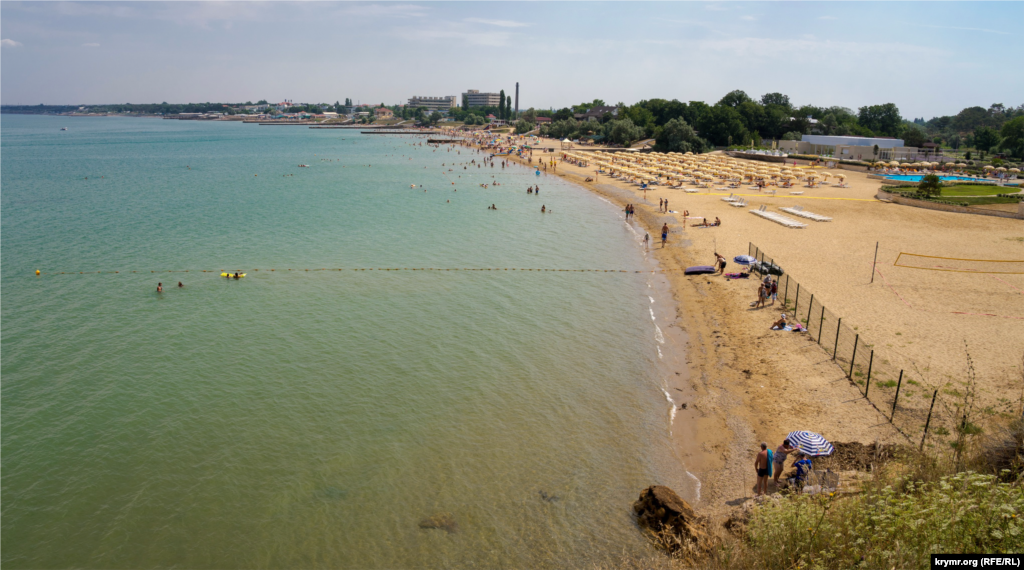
(37, 272)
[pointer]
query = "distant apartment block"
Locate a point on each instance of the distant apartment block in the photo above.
(445, 103)
(474, 98)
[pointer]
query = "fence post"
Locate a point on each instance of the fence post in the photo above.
(854, 359)
(836, 347)
(867, 385)
(785, 295)
(874, 262)
(797, 301)
(928, 421)
(821, 323)
(894, 400)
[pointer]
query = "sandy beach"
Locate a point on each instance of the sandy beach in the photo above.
(746, 384)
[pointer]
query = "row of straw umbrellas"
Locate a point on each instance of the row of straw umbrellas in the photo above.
(948, 166)
(701, 169)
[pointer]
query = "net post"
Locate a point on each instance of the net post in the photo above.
(894, 400)
(928, 421)
(873, 263)
(835, 348)
(867, 385)
(854, 359)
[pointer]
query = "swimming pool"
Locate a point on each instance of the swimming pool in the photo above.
(917, 178)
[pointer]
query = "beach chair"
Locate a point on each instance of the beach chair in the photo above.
(797, 193)
(741, 203)
(691, 190)
(729, 198)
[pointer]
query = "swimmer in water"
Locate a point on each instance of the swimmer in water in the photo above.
(543, 209)
(159, 287)
(180, 284)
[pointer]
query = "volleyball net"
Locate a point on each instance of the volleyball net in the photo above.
(959, 265)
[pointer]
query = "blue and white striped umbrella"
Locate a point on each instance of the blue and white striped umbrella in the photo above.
(744, 260)
(810, 443)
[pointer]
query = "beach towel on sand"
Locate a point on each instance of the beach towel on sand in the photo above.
(737, 275)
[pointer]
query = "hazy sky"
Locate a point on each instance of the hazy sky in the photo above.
(928, 58)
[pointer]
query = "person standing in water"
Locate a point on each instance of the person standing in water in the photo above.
(180, 284)
(542, 209)
(647, 241)
(664, 234)
(159, 287)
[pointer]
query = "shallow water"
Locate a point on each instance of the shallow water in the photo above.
(301, 419)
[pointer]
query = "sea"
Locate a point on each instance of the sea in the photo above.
(393, 384)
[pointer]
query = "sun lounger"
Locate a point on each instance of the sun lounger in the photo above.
(729, 198)
(799, 211)
(778, 218)
(797, 193)
(692, 190)
(742, 203)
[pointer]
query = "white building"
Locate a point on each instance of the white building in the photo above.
(474, 98)
(445, 103)
(850, 148)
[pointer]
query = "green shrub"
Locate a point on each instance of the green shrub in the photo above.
(888, 528)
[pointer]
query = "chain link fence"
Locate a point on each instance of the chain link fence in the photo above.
(892, 383)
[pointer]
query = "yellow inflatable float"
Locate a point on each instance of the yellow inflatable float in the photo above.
(239, 276)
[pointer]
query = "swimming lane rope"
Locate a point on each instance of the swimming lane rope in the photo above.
(219, 271)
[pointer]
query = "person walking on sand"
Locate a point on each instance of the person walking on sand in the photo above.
(664, 234)
(763, 470)
(660, 202)
(647, 241)
(774, 291)
(666, 205)
(780, 458)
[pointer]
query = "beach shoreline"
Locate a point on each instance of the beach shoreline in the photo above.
(721, 425)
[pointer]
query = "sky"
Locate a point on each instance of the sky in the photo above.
(929, 58)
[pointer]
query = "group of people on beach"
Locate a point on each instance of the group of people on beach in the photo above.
(768, 463)
(630, 210)
(768, 288)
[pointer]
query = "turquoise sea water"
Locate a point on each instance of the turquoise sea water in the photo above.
(313, 419)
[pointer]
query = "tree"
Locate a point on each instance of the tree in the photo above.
(529, 115)
(882, 119)
(434, 118)
(792, 136)
(501, 104)
(985, 138)
(1013, 136)
(624, 132)
(912, 136)
(930, 186)
(562, 115)
(677, 136)
(775, 99)
(734, 98)
(508, 107)
(523, 126)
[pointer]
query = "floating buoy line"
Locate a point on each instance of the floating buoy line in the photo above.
(232, 271)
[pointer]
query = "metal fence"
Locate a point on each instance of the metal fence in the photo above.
(889, 381)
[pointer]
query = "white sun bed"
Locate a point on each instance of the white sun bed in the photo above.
(799, 211)
(777, 218)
